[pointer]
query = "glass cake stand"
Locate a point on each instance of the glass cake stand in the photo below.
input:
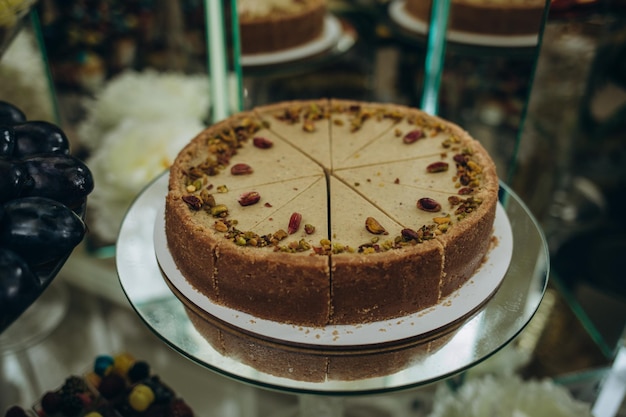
(265, 363)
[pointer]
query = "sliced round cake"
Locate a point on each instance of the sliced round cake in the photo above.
(268, 26)
(330, 211)
(494, 17)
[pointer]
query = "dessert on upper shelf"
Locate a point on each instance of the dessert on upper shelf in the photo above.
(330, 211)
(493, 17)
(273, 25)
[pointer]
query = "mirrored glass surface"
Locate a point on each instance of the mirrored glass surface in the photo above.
(226, 350)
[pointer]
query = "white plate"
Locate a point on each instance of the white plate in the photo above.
(400, 16)
(457, 306)
(330, 35)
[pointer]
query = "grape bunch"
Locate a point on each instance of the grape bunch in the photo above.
(43, 194)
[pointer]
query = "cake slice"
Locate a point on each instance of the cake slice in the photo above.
(303, 217)
(429, 173)
(381, 282)
(304, 124)
(283, 241)
(270, 159)
(414, 136)
(254, 208)
(354, 125)
(409, 206)
(349, 215)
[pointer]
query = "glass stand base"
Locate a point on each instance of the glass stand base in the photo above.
(37, 322)
(18, 373)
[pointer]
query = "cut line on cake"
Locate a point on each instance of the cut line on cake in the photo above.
(402, 18)
(329, 37)
(458, 306)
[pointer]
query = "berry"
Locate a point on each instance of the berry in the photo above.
(111, 386)
(63, 178)
(140, 370)
(51, 402)
(39, 229)
(72, 405)
(7, 141)
(18, 286)
(141, 397)
(74, 385)
(102, 364)
(37, 137)
(13, 179)
(10, 114)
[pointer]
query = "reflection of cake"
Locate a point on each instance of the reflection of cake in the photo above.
(330, 212)
(311, 364)
(274, 25)
(497, 17)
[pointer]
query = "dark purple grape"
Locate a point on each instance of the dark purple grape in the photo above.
(39, 229)
(139, 371)
(7, 141)
(35, 137)
(10, 114)
(60, 177)
(16, 411)
(18, 286)
(13, 180)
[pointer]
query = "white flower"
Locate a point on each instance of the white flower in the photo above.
(508, 396)
(131, 156)
(134, 129)
(147, 96)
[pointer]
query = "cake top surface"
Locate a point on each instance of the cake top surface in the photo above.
(332, 176)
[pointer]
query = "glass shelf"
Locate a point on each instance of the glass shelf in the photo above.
(313, 371)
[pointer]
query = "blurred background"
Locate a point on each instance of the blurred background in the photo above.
(550, 107)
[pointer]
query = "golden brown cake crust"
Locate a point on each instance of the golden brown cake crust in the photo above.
(314, 277)
(290, 289)
(464, 250)
(279, 31)
(389, 284)
(522, 17)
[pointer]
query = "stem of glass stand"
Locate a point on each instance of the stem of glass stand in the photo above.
(218, 64)
(613, 389)
(435, 55)
(237, 55)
